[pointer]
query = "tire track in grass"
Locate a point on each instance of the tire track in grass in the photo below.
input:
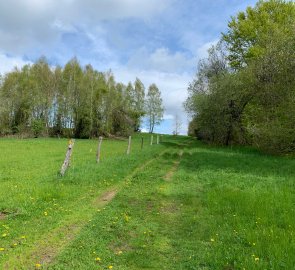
(171, 172)
(121, 228)
(48, 248)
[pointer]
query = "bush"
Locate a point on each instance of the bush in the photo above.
(37, 127)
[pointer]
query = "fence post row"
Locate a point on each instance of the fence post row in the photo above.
(67, 160)
(152, 138)
(98, 149)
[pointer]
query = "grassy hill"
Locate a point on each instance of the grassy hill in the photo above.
(176, 205)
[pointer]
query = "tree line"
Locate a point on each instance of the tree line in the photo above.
(74, 101)
(244, 91)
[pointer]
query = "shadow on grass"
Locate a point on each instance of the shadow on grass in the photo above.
(238, 160)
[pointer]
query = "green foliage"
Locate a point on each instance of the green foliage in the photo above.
(154, 107)
(247, 31)
(37, 127)
(254, 102)
(69, 101)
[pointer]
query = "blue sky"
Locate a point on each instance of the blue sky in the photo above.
(159, 41)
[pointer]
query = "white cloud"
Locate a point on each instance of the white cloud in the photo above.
(168, 117)
(9, 63)
(162, 60)
(28, 23)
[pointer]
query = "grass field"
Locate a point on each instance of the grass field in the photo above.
(177, 205)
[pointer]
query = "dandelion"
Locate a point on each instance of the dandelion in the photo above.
(119, 252)
(110, 267)
(38, 265)
(45, 213)
(126, 217)
(256, 259)
(4, 234)
(2, 249)
(15, 244)
(97, 259)
(212, 240)
(23, 237)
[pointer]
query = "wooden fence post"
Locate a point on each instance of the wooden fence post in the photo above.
(129, 145)
(98, 149)
(67, 160)
(157, 139)
(141, 143)
(152, 138)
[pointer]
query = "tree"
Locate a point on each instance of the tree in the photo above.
(251, 100)
(154, 107)
(139, 94)
(248, 30)
(177, 125)
(68, 101)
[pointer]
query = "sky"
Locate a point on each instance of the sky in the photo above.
(158, 41)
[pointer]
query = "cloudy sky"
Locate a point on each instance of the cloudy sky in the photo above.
(159, 41)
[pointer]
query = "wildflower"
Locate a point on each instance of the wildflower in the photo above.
(38, 265)
(97, 259)
(119, 252)
(2, 249)
(45, 213)
(212, 240)
(254, 244)
(256, 259)
(110, 267)
(15, 244)
(23, 237)
(4, 234)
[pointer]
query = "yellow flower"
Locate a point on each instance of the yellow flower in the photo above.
(38, 265)
(23, 237)
(2, 249)
(256, 259)
(110, 267)
(4, 234)
(120, 252)
(97, 259)
(45, 213)
(15, 244)
(212, 240)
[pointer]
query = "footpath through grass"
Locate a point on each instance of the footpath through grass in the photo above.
(178, 205)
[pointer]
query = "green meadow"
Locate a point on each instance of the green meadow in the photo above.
(176, 205)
